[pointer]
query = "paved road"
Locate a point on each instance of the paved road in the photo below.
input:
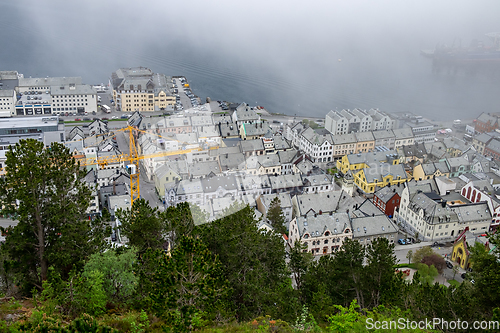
(185, 101)
(402, 250)
(146, 187)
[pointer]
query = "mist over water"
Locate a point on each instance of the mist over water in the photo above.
(293, 57)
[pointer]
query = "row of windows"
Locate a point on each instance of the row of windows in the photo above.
(72, 96)
(66, 100)
(74, 104)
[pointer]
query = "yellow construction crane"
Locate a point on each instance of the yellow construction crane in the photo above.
(133, 159)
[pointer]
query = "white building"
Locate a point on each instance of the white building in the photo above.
(357, 120)
(55, 95)
(433, 218)
(319, 147)
(323, 234)
(7, 102)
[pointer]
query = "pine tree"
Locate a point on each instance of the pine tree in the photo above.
(275, 216)
(144, 226)
(44, 191)
(188, 285)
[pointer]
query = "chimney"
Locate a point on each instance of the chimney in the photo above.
(443, 203)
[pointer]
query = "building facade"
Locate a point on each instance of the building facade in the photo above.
(139, 89)
(321, 235)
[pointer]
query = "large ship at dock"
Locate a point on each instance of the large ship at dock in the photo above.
(475, 57)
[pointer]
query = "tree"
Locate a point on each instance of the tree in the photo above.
(455, 270)
(116, 267)
(299, 262)
(43, 189)
(275, 216)
(409, 255)
(188, 284)
(253, 261)
(427, 273)
(486, 273)
(144, 226)
(380, 280)
(435, 260)
(179, 220)
(421, 253)
(349, 262)
(199, 215)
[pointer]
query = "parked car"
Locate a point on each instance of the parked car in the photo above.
(78, 119)
(104, 118)
(124, 116)
(449, 265)
(401, 241)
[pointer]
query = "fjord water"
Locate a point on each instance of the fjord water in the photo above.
(291, 57)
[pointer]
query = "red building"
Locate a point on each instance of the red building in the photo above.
(387, 199)
(493, 149)
(487, 122)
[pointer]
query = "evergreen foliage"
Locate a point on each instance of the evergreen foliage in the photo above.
(143, 226)
(44, 191)
(276, 217)
(188, 285)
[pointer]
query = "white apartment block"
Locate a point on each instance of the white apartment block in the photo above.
(352, 121)
(54, 95)
(319, 147)
(7, 102)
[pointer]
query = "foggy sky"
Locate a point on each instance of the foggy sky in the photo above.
(304, 57)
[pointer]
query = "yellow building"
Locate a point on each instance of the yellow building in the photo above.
(464, 241)
(366, 160)
(139, 89)
(370, 180)
(429, 170)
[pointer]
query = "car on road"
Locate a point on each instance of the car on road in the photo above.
(449, 265)
(402, 241)
(436, 244)
(78, 119)
(124, 116)
(114, 117)
(86, 119)
(104, 118)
